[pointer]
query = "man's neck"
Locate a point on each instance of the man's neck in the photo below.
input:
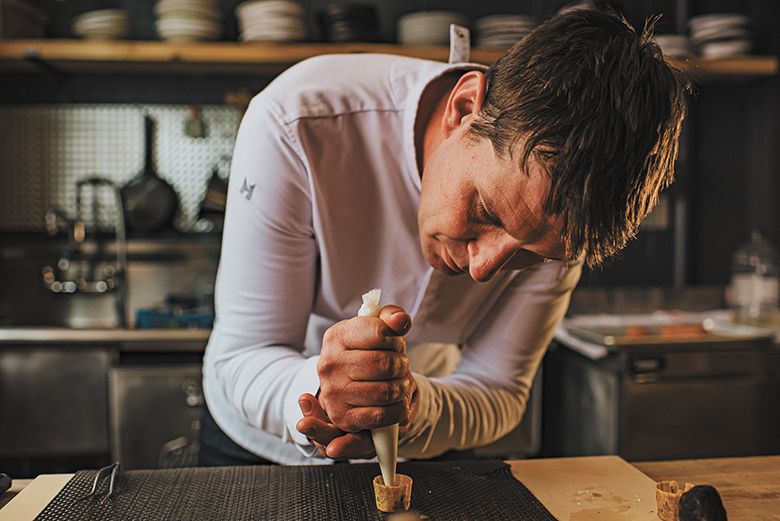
(428, 133)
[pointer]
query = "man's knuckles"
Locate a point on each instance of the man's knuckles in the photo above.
(329, 365)
(333, 337)
(391, 392)
(363, 394)
(362, 418)
(378, 365)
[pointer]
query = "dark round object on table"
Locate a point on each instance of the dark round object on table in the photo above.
(149, 202)
(702, 503)
(5, 482)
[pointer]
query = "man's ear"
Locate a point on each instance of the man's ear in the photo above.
(465, 101)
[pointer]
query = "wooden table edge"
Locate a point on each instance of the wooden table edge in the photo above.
(561, 500)
(33, 498)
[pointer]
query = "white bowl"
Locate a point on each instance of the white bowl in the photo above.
(726, 49)
(265, 7)
(718, 19)
(102, 14)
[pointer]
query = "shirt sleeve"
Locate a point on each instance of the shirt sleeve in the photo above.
(266, 278)
(485, 397)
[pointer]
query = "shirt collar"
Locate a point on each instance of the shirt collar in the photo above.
(416, 84)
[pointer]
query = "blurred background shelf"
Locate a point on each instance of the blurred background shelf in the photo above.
(83, 57)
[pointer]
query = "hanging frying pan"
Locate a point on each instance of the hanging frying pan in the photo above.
(150, 203)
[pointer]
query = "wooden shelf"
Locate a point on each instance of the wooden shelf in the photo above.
(111, 57)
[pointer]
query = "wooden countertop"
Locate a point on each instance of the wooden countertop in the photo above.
(749, 487)
(600, 488)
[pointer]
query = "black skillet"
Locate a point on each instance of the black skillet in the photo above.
(150, 203)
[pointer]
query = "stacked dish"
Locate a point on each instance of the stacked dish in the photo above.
(188, 20)
(502, 31)
(428, 27)
(271, 21)
(674, 45)
(350, 22)
(721, 35)
(103, 24)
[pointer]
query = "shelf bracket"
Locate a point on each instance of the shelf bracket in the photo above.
(32, 55)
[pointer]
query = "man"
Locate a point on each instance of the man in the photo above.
(470, 197)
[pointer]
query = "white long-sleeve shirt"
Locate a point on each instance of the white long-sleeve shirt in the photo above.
(322, 206)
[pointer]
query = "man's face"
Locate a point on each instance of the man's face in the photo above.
(479, 213)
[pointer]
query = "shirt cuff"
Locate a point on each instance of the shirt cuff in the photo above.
(306, 381)
(426, 410)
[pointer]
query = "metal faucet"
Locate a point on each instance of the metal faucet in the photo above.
(113, 277)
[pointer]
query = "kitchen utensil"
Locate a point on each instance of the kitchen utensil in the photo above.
(194, 124)
(114, 472)
(215, 198)
(150, 202)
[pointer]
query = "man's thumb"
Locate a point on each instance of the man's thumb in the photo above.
(396, 319)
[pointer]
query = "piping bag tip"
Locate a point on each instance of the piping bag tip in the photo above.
(386, 446)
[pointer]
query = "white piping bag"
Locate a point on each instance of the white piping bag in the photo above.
(385, 438)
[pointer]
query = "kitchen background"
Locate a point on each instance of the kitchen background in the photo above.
(102, 325)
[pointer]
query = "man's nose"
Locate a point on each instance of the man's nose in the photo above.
(487, 257)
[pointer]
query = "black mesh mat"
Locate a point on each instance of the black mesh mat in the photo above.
(450, 490)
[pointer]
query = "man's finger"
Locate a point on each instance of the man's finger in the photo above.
(315, 423)
(322, 449)
(310, 407)
(357, 419)
(396, 319)
(318, 430)
(353, 445)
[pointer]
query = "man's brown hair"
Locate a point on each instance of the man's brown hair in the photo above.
(602, 96)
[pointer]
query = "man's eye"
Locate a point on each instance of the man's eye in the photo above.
(484, 215)
(548, 156)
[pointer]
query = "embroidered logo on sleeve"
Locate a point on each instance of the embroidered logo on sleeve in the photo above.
(247, 190)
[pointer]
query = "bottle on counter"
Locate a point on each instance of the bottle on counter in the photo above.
(754, 291)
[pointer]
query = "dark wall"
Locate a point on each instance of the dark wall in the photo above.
(735, 186)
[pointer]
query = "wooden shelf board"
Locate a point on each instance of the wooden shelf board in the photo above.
(81, 56)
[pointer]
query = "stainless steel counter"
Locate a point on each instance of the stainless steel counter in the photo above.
(20, 335)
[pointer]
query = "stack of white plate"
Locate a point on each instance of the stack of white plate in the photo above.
(674, 45)
(271, 21)
(502, 31)
(188, 20)
(721, 35)
(428, 27)
(104, 24)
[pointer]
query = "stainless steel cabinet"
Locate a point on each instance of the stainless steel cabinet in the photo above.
(155, 415)
(685, 401)
(53, 401)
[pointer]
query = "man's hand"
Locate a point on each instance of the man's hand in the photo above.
(331, 441)
(365, 383)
